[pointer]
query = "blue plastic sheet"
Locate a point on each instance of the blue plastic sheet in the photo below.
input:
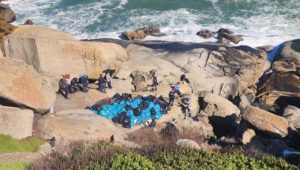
(116, 108)
(272, 56)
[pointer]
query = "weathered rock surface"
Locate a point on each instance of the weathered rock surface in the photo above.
(273, 125)
(282, 86)
(6, 29)
(142, 33)
(81, 100)
(247, 136)
(219, 106)
(16, 122)
(206, 33)
(6, 14)
(21, 85)
(222, 114)
(78, 124)
(292, 114)
(187, 143)
(212, 68)
(53, 53)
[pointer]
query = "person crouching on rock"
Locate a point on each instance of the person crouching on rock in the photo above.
(108, 80)
(171, 97)
(102, 83)
(63, 88)
(154, 82)
(186, 106)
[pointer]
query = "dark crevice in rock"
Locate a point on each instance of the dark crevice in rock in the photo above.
(5, 102)
(224, 126)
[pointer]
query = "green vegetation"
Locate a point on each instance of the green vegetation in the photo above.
(14, 166)
(9, 144)
(106, 156)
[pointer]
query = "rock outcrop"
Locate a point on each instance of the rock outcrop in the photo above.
(272, 125)
(292, 114)
(6, 14)
(141, 33)
(53, 53)
(16, 122)
(70, 125)
(6, 29)
(219, 106)
(282, 85)
(211, 68)
(21, 85)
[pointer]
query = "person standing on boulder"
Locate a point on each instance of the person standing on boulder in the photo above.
(171, 97)
(154, 82)
(176, 89)
(108, 80)
(102, 83)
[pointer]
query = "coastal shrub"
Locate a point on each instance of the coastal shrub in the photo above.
(9, 144)
(104, 155)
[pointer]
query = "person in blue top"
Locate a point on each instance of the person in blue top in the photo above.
(102, 83)
(176, 88)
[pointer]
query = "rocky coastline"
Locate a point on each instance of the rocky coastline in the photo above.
(265, 116)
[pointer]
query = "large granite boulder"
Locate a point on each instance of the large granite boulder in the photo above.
(53, 53)
(214, 68)
(292, 114)
(16, 122)
(222, 114)
(270, 124)
(79, 124)
(219, 106)
(6, 14)
(21, 85)
(282, 86)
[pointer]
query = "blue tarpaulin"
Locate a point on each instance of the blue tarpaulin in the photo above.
(114, 110)
(272, 56)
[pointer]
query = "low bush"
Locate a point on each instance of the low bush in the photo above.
(104, 155)
(9, 144)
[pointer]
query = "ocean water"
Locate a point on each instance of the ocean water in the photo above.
(261, 21)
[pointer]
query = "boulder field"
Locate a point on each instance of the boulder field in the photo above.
(229, 87)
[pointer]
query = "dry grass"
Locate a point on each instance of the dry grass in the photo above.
(167, 137)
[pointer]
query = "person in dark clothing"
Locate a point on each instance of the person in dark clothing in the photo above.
(84, 80)
(183, 78)
(154, 82)
(74, 87)
(63, 88)
(102, 83)
(171, 97)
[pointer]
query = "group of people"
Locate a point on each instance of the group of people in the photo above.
(104, 82)
(76, 85)
(185, 100)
